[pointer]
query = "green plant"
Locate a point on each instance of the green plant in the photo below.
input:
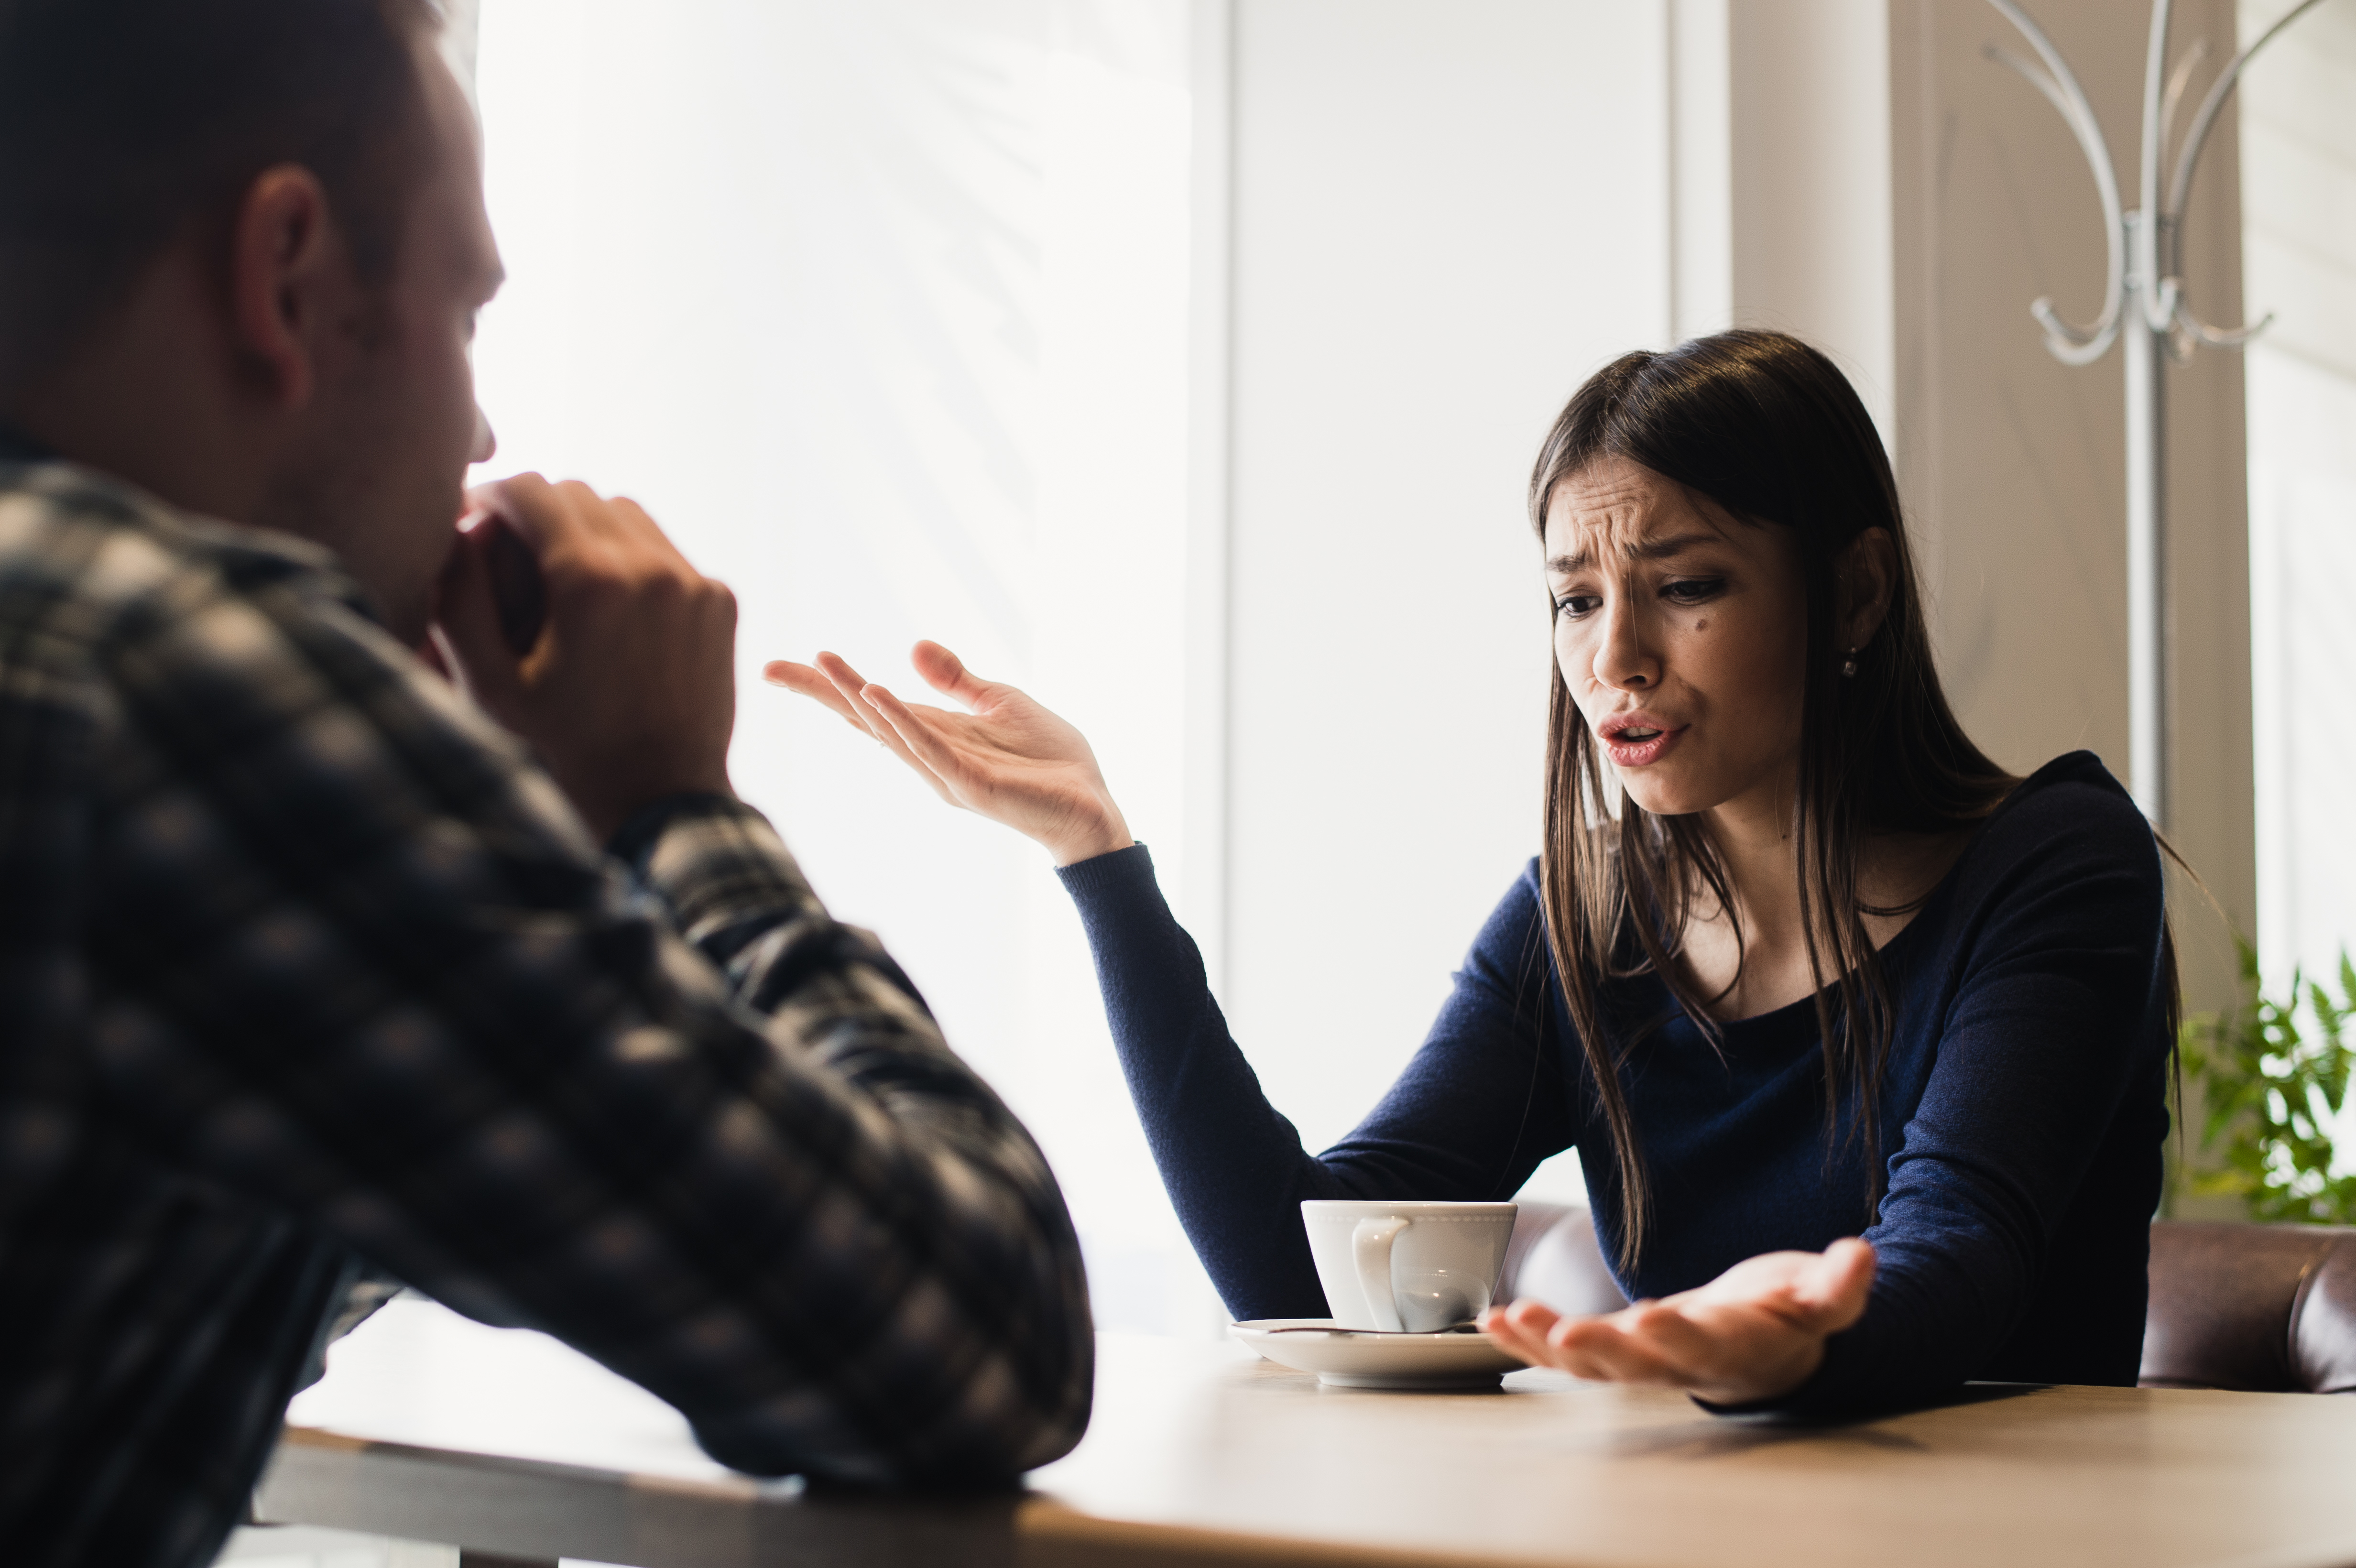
(2273, 1076)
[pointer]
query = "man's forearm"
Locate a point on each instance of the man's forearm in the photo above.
(832, 998)
(459, 1042)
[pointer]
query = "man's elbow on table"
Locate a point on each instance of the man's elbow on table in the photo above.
(1010, 1409)
(983, 1371)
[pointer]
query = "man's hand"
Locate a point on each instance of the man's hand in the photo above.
(1756, 1331)
(629, 693)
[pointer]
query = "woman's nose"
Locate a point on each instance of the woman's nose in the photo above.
(1623, 662)
(486, 441)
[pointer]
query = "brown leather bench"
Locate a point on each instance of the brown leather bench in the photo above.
(2270, 1309)
(2267, 1307)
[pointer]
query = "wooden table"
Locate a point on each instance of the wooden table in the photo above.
(435, 1428)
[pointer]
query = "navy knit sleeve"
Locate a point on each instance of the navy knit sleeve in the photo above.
(2047, 1080)
(1481, 1104)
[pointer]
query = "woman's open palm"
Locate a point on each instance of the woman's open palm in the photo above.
(1009, 759)
(1756, 1331)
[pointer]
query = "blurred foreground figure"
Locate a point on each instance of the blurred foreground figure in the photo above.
(315, 977)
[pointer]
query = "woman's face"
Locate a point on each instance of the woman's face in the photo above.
(1682, 634)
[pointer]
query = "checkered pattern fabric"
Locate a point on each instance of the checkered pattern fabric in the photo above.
(309, 976)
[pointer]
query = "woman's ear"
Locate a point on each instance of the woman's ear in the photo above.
(1868, 575)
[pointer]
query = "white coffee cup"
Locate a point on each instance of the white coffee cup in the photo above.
(1407, 1267)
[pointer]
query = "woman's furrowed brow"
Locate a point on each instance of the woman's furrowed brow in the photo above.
(1649, 549)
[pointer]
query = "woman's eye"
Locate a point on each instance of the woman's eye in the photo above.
(1577, 604)
(1692, 589)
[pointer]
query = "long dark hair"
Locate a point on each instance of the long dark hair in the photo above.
(1768, 429)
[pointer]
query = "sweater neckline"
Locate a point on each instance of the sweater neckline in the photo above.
(2070, 764)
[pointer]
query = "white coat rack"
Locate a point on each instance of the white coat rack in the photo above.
(2143, 304)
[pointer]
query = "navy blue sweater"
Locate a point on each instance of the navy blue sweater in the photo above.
(2022, 1113)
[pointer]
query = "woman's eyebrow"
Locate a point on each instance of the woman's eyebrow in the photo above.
(1650, 549)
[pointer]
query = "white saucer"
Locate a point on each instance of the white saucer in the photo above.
(1346, 1358)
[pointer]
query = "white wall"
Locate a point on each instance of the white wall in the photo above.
(1811, 233)
(1445, 217)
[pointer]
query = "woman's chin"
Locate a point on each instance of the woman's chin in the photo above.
(1667, 796)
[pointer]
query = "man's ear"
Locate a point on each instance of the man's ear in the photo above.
(1868, 577)
(285, 262)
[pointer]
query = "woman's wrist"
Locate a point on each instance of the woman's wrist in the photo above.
(1786, 1375)
(1101, 833)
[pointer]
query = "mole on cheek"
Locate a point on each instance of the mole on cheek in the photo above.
(1702, 624)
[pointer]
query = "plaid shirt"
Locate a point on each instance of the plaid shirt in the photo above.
(310, 976)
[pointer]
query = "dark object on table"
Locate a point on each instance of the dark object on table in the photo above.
(2267, 1308)
(516, 586)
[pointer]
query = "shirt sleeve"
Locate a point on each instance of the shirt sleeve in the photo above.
(1478, 1106)
(355, 958)
(2051, 1058)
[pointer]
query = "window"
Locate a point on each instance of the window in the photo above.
(883, 310)
(2299, 190)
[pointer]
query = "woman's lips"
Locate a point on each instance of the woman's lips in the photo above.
(1633, 748)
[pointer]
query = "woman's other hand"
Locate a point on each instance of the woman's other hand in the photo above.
(1756, 1331)
(1010, 760)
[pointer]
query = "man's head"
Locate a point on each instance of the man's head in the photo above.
(241, 245)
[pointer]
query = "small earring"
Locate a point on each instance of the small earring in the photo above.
(1848, 664)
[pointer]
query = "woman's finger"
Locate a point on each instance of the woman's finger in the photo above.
(893, 741)
(1833, 1290)
(946, 673)
(837, 668)
(1527, 1320)
(1572, 1352)
(922, 739)
(847, 682)
(852, 688)
(1687, 1348)
(1509, 1331)
(1605, 1350)
(1600, 1348)
(809, 683)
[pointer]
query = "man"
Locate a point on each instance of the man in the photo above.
(311, 974)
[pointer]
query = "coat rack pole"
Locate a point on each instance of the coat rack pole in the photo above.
(2143, 299)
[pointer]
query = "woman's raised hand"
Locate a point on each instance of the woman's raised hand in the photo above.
(1756, 1331)
(1010, 760)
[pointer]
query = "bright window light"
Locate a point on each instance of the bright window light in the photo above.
(882, 310)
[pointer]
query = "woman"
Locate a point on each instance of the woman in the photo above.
(1795, 961)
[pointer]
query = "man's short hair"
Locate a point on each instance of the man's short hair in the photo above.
(122, 120)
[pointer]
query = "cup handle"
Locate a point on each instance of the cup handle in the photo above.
(1370, 1248)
